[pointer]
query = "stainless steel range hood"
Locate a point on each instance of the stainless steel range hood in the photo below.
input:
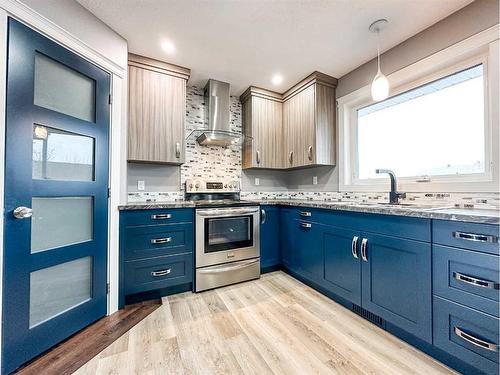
(218, 132)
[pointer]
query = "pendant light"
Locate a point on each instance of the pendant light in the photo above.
(380, 84)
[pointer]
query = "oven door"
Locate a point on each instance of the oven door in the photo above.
(226, 234)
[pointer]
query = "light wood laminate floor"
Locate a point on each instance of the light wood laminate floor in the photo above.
(275, 325)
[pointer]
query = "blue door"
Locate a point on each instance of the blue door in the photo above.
(269, 238)
(56, 195)
(309, 237)
(287, 235)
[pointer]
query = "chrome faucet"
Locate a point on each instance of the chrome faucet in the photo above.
(394, 195)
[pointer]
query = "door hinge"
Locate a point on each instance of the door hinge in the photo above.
(110, 99)
(108, 288)
(109, 192)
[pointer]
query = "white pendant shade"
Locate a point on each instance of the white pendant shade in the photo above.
(380, 87)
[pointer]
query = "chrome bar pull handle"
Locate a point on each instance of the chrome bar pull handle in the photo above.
(290, 157)
(475, 281)
(161, 216)
(263, 216)
(257, 156)
(161, 240)
(22, 212)
(178, 150)
(364, 244)
(161, 273)
(354, 247)
(476, 237)
(476, 341)
(306, 225)
(310, 153)
(305, 213)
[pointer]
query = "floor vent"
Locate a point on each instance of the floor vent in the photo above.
(375, 319)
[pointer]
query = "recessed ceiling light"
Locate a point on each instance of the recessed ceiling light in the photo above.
(277, 79)
(168, 46)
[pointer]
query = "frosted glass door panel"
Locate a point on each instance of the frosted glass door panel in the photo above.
(63, 89)
(57, 289)
(60, 221)
(63, 156)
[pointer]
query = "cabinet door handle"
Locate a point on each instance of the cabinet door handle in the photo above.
(161, 216)
(475, 341)
(364, 244)
(354, 247)
(257, 157)
(475, 237)
(310, 153)
(305, 225)
(263, 216)
(474, 281)
(161, 240)
(305, 214)
(290, 157)
(177, 150)
(161, 273)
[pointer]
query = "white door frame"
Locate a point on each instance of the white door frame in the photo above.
(118, 132)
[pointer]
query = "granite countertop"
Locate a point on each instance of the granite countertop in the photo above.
(443, 213)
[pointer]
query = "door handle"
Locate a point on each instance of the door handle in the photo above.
(161, 216)
(177, 150)
(306, 225)
(354, 247)
(290, 157)
(475, 237)
(161, 240)
(161, 273)
(476, 341)
(22, 212)
(257, 156)
(310, 153)
(263, 216)
(364, 244)
(305, 213)
(475, 281)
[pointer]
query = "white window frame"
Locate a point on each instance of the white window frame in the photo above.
(482, 48)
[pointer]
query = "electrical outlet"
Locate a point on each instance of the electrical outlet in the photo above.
(315, 180)
(257, 181)
(141, 185)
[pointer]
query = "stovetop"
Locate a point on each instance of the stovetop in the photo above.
(202, 203)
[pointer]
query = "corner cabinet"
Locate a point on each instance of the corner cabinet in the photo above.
(157, 108)
(291, 130)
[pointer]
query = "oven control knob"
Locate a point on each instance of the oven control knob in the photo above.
(190, 186)
(225, 186)
(197, 186)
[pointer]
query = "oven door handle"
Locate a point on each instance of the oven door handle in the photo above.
(234, 267)
(221, 212)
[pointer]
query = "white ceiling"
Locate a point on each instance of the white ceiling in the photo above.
(245, 42)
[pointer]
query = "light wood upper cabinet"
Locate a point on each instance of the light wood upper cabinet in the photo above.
(306, 134)
(262, 124)
(157, 109)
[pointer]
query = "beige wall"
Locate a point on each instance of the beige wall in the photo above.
(476, 17)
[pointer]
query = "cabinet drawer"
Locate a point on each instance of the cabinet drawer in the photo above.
(156, 240)
(157, 273)
(473, 236)
(160, 216)
(467, 334)
(467, 277)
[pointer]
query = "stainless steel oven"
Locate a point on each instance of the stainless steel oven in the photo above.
(227, 246)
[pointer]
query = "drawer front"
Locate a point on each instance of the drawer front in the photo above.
(467, 334)
(157, 273)
(154, 217)
(156, 240)
(472, 236)
(391, 225)
(467, 277)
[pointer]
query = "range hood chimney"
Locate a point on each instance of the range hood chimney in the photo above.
(218, 132)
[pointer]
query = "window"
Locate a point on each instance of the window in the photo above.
(433, 130)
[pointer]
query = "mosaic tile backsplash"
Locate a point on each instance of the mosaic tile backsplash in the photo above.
(209, 162)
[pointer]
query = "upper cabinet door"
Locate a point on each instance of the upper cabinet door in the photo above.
(157, 108)
(304, 123)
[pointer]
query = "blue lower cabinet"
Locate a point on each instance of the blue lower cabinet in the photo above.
(467, 334)
(270, 256)
(289, 256)
(342, 274)
(308, 237)
(396, 282)
(157, 273)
